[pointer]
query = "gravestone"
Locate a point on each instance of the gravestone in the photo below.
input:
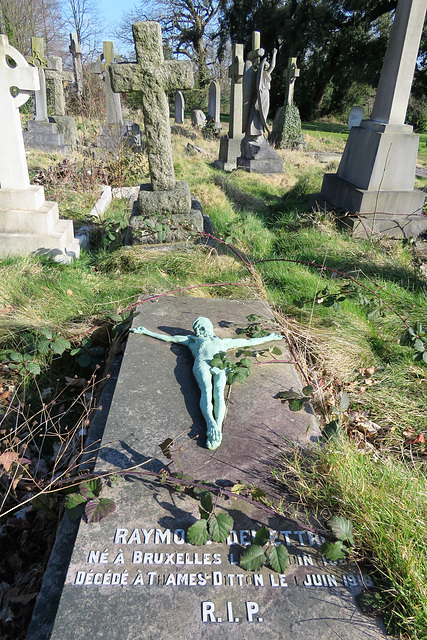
(376, 174)
(256, 153)
(164, 199)
(134, 575)
(229, 147)
(198, 118)
(286, 131)
(41, 133)
(28, 224)
(355, 117)
(75, 49)
(214, 104)
(115, 131)
(179, 108)
(66, 124)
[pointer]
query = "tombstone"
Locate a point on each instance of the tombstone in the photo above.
(134, 574)
(40, 133)
(198, 118)
(355, 117)
(214, 103)
(256, 153)
(229, 149)
(179, 108)
(376, 175)
(286, 131)
(75, 49)
(66, 124)
(152, 75)
(28, 224)
(115, 131)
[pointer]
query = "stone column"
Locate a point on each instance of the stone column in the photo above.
(75, 49)
(229, 149)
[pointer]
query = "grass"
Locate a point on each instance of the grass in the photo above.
(292, 254)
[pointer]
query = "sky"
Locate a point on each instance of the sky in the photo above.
(112, 12)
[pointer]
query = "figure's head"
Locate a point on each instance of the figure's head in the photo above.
(203, 327)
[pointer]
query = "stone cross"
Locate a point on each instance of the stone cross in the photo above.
(38, 60)
(235, 72)
(55, 73)
(291, 75)
(75, 49)
(394, 88)
(17, 81)
(249, 76)
(179, 108)
(153, 76)
(114, 109)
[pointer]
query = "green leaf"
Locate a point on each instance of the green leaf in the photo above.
(262, 536)
(253, 558)
(206, 502)
(165, 446)
(59, 345)
(297, 404)
(198, 533)
(331, 430)
(344, 402)
(91, 489)
(245, 362)
(418, 345)
(43, 346)
(257, 493)
(373, 602)
(333, 550)
(288, 395)
(33, 368)
(220, 527)
(84, 360)
(98, 509)
(276, 351)
(238, 488)
(74, 505)
(15, 356)
(279, 558)
(307, 390)
(342, 528)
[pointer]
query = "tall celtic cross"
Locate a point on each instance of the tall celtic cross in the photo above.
(152, 75)
(114, 109)
(291, 75)
(235, 72)
(38, 60)
(17, 81)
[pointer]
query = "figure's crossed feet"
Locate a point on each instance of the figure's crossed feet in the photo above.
(214, 438)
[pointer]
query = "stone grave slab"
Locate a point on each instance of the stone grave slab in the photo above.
(134, 575)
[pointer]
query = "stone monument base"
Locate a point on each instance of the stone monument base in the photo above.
(180, 227)
(67, 127)
(257, 156)
(34, 227)
(164, 203)
(229, 151)
(115, 136)
(45, 136)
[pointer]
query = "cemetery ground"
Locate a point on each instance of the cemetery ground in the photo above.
(352, 310)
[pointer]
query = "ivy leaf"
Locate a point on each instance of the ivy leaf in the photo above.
(279, 558)
(262, 536)
(220, 527)
(98, 509)
(198, 533)
(333, 550)
(253, 558)
(342, 528)
(74, 504)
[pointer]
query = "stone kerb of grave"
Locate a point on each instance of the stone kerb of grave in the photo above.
(40, 132)
(164, 200)
(28, 224)
(376, 174)
(134, 574)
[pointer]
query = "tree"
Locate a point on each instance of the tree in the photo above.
(20, 20)
(187, 26)
(83, 17)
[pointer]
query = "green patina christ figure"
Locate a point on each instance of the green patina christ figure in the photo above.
(211, 380)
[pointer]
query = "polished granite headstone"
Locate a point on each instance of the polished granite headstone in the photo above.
(134, 576)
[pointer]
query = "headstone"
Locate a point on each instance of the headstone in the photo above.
(115, 131)
(286, 131)
(355, 117)
(66, 124)
(179, 108)
(229, 149)
(198, 118)
(214, 103)
(41, 133)
(75, 49)
(28, 224)
(256, 153)
(134, 574)
(376, 174)
(152, 75)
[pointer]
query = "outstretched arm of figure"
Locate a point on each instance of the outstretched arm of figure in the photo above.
(235, 343)
(162, 336)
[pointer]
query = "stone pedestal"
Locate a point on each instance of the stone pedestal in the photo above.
(30, 225)
(376, 176)
(45, 136)
(229, 151)
(257, 156)
(67, 128)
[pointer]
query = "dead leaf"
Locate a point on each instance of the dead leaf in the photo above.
(69, 292)
(7, 459)
(420, 439)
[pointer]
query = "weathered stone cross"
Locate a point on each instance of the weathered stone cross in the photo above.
(152, 75)
(235, 72)
(55, 73)
(291, 75)
(17, 81)
(38, 60)
(75, 49)
(114, 109)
